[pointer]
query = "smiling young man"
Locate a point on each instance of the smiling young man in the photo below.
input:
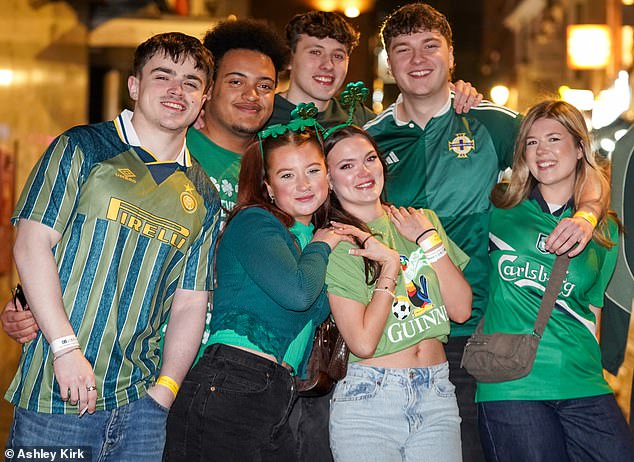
(116, 228)
(449, 162)
(320, 44)
(248, 55)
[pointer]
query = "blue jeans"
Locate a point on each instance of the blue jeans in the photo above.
(134, 432)
(233, 406)
(575, 430)
(384, 415)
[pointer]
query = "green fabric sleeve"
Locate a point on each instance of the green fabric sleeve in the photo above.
(259, 239)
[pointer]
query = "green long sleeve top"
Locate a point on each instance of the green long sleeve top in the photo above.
(268, 290)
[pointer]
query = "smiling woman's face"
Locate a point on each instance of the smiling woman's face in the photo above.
(356, 172)
(297, 180)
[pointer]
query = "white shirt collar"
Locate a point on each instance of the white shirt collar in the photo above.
(399, 101)
(129, 136)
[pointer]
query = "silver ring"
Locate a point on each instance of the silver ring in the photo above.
(91, 388)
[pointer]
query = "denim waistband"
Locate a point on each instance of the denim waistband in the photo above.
(423, 376)
(246, 358)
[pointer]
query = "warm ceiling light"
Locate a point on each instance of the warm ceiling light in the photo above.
(352, 12)
(6, 77)
(588, 46)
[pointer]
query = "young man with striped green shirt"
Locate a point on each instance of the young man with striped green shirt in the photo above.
(116, 227)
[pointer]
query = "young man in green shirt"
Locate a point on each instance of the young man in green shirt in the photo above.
(449, 162)
(248, 55)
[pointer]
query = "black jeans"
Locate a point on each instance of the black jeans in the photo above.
(465, 393)
(309, 422)
(232, 406)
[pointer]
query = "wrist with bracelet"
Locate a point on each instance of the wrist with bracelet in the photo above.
(168, 383)
(423, 233)
(588, 216)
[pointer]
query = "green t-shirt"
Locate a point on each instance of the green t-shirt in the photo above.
(418, 312)
(568, 362)
(450, 166)
(222, 166)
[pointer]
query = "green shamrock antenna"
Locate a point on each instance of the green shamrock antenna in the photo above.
(302, 117)
(354, 93)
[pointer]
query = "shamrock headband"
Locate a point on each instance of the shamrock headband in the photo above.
(304, 115)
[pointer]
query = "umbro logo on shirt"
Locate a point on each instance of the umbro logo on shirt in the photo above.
(126, 174)
(391, 158)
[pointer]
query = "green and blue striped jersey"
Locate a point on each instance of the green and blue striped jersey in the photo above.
(133, 229)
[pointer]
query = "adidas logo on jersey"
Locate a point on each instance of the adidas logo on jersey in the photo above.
(126, 174)
(391, 158)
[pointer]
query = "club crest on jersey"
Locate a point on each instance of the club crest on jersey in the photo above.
(541, 243)
(188, 201)
(462, 145)
(126, 174)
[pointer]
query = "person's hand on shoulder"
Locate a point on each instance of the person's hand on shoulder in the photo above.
(411, 223)
(570, 235)
(466, 96)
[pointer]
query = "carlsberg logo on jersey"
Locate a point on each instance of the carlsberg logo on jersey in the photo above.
(528, 274)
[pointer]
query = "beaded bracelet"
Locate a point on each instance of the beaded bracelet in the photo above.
(55, 358)
(386, 290)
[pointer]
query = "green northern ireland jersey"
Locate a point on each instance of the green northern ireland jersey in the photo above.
(133, 230)
(334, 114)
(418, 312)
(222, 166)
(568, 362)
(450, 166)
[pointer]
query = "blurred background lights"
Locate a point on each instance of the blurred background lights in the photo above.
(500, 94)
(6, 77)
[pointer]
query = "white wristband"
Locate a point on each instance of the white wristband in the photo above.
(436, 254)
(63, 343)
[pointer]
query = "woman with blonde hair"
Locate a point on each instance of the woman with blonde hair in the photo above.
(563, 409)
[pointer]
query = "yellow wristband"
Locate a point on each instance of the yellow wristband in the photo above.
(588, 216)
(169, 383)
(430, 242)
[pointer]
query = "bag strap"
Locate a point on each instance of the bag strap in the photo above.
(557, 276)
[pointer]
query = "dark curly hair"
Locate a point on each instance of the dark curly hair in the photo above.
(321, 24)
(413, 18)
(247, 34)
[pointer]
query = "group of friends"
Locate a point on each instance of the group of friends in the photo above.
(395, 224)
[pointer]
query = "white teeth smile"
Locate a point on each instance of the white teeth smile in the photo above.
(545, 164)
(177, 106)
(419, 73)
(321, 79)
(366, 185)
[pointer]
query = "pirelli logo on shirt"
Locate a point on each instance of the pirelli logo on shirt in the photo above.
(146, 223)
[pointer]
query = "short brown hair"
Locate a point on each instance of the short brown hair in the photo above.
(413, 18)
(321, 24)
(178, 47)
